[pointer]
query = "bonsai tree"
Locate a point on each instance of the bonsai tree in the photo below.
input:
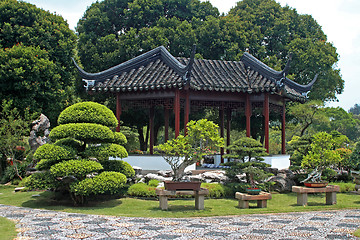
(255, 175)
(246, 157)
(354, 160)
(77, 160)
(321, 156)
(202, 137)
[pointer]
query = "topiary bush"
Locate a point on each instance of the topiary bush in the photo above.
(216, 190)
(84, 133)
(76, 168)
(119, 166)
(40, 181)
(88, 112)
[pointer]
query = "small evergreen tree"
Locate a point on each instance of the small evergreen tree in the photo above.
(78, 159)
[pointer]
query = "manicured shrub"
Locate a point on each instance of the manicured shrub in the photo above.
(69, 143)
(104, 183)
(76, 168)
(53, 152)
(216, 190)
(103, 152)
(118, 166)
(344, 186)
(39, 181)
(88, 112)
(142, 190)
(119, 138)
(88, 132)
(153, 183)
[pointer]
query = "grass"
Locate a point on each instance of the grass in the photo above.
(7, 229)
(133, 207)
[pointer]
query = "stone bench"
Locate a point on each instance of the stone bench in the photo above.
(245, 198)
(302, 194)
(165, 194)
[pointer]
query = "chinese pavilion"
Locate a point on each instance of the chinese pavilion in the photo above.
(156, 78)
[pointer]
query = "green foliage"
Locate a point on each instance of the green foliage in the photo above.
(245, 149)
(14, 172)
(88, 112)
(344, 186)
(76, 168)
(49, 154)
(40, 181)
(36, 70)
(87, 132)
(119, 138)
(142, 190)
(216, 190)
(104, 183)
(118, 166)
(298, 147)
(322, 154)
(71, 143)
(354, 160)
(153, 183)
(104, 151)
(202, 137)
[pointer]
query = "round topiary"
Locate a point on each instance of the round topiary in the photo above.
(88, 112)
(103, 152)
(76, 168)
(104, 183)
(118, 166)
(49, 154)
(87, 132)
(69, 143)
(119, 138)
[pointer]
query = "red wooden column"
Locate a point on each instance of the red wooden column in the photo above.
(228, 127)
(166, 121)
(248, 115)
(283, 150)
(266, 113)
(177, 112)
(221, 116)
(186, 112)
(118, 111)
(151, 126)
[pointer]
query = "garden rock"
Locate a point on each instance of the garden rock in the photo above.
(282, 183)
(39, 134)
(215, 176)
(137, 170)
(150, 176)
(165, 173)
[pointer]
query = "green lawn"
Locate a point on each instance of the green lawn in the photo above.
(177, 208)
(7, 229)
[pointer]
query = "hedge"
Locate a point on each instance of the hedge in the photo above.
(88, 132)
(76, 168)
(141, 190)
(118, 166)
(104, 183)
(88, 112)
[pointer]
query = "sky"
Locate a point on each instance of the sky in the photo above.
(339, 20)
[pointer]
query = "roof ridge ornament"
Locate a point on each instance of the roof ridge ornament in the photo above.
(189, 67)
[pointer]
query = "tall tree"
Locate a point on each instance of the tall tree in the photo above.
(35, 64)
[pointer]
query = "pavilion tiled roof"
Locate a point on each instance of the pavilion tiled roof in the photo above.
(158, 69)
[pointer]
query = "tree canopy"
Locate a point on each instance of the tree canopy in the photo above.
(35, 58)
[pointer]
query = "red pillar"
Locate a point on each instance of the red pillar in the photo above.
(177, 112)
(186, 112)
(266, 112)
(151, 126)
(228, 127)
(166, 120)
(118, 111)
(248, 115)
(221, 116)
(283, 150)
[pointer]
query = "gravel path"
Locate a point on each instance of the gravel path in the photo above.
(44, 224)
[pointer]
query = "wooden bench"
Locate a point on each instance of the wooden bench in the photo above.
(198, 194)
(302, 194)
(245, 198)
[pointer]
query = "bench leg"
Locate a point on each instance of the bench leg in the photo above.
(330, 198)
(302, 199)
(163, 202)
(199, 202)
(243, 204)
(261, 203)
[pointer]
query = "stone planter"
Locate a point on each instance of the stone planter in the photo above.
(170, 185)
(253, 191)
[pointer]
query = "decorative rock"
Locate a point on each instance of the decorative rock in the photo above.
(137, 170)
(215, 176)
(282, 183)
(40, 125)
(150, 176)
(165, 173)
(18, 189)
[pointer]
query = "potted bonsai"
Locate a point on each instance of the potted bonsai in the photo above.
(255, 175)
(183, 151)
(321, 156)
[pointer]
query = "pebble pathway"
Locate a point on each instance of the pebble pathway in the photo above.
(49, 225)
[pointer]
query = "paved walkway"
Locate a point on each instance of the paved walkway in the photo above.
(44, 224)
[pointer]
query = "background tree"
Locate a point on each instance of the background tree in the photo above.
(355, 109)
(84, 133)
(35, 58)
